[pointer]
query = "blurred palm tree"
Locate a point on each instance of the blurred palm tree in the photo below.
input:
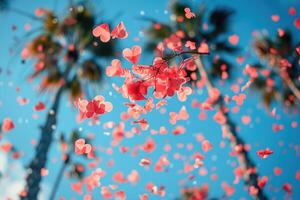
(213, 28)
(278, 71)
(75, 169)
(6, 5)
(197, 30)
(3, 4)
(67, 58)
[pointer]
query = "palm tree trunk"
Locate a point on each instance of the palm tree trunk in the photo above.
(34, 177)
(251, 179)
(288, 81)
(284, 75)
(24, 13)
(59, 177)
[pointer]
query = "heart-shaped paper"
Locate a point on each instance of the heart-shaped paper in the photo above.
(233, 39)
(133, 54)
(103, 32)
(203, 48)
(39, 106)
(81, 147)
(7, 125)
(119, 31)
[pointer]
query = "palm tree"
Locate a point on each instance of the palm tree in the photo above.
(74, 168)
(195, 31)
(277, 73)
(6, 5)
(214, 34)
(67, 59)
(3, 5)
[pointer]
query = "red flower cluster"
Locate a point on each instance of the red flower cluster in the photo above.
(94, 108)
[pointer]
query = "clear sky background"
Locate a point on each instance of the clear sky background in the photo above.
(250, 16)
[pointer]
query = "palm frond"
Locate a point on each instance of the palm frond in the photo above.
(220, 20)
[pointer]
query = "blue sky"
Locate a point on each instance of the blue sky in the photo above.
(250, 16)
